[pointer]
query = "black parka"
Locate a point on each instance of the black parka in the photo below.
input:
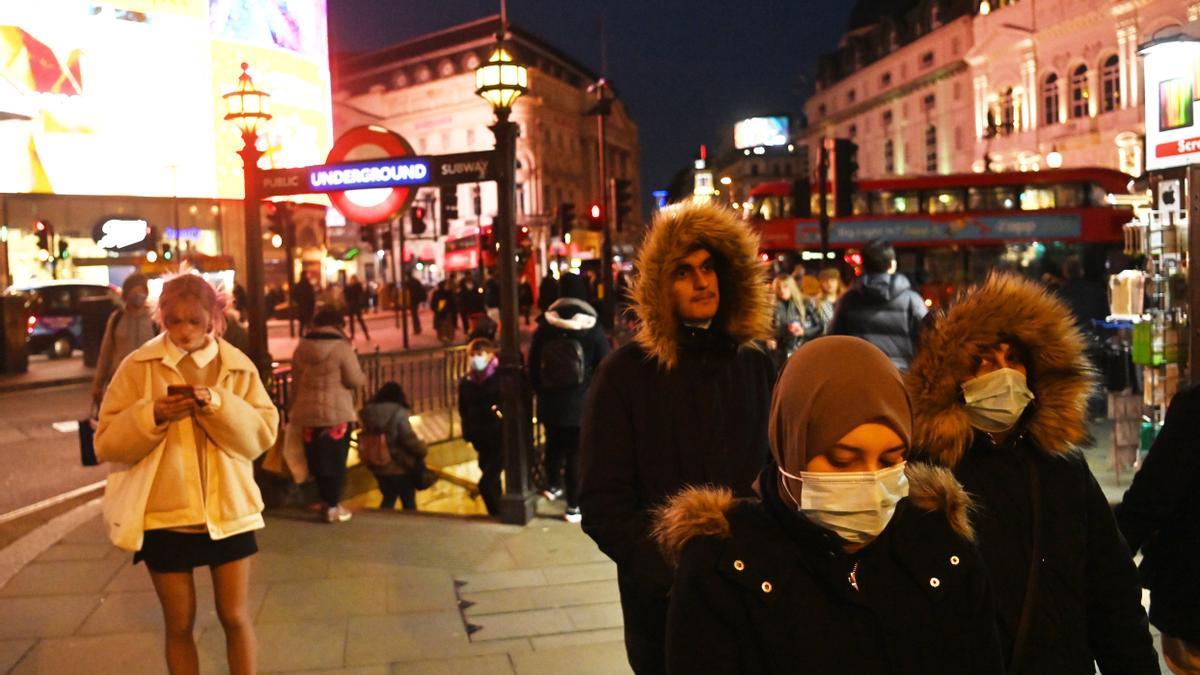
(1087, 607)
(566, 319)
(884, 310)
(760, 589)
(477, 401)
(1160, 514)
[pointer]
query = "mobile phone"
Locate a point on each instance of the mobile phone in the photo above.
(181, 389)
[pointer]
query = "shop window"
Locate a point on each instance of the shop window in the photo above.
(1110, 84)
(931, 154)
(1079, 92)
(1050, 99)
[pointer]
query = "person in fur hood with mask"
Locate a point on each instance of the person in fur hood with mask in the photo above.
(848, 560)
(685, 403)
(999, 390)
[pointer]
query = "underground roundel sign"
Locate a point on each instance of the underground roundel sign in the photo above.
(359, 145)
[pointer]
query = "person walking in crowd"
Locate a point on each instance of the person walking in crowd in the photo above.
(304, 302)
(491, 299)
(414, 297)
(999, 392)
(184, 417)
(547, 291)
(882, 307)
(567, 346)
(470, 302)
(832, 289)
(1160, 515)
(445, 312)
(795, 318)
(525, 299)
(387, 415)
(128, 328)
(848, 560)
(325, 374)
(685, 403)
(356, 304)
(478, 406)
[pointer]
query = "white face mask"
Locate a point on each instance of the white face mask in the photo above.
(481, 361)
(854, 505)
(996, 401)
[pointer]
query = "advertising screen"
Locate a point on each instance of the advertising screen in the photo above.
(756, 131)
(123, 97)
(1172, 89)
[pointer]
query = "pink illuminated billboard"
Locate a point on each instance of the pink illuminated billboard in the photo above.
(123, 97)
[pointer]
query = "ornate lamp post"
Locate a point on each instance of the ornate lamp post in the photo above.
(500, 81)
(247, 108)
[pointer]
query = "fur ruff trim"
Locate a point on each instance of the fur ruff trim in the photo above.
(745, 305)
(700, 511)
(1005, 306)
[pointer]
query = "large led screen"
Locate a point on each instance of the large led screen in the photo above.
(1172, 72)
(756, 131)
(123, 97)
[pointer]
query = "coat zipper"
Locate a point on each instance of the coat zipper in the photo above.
(853, 576)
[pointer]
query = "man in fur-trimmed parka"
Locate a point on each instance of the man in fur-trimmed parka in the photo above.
(685, 403)
(999, 391)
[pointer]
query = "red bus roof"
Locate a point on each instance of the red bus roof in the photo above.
(1111, 180)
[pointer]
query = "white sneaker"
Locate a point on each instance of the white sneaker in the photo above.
(337, 514)
(552, 494)
(573, 515)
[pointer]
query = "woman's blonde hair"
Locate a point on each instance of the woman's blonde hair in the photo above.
(794, 295)
(189, 285)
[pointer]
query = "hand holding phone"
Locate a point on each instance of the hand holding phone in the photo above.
(181, 390)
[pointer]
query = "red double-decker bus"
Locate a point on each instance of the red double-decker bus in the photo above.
(463, 252)
(950, 230)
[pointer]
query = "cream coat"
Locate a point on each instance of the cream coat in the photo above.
(240, 424)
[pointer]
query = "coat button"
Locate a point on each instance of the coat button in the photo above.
(954, 560)
(935, 582)
(739, 565)
(766, 586)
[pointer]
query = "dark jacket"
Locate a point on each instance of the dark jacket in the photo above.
(784, 314)
(570, 319)
(547, 292)
(1160, 515)
(677, 406)
(356, 297)
(477, 402)
(1087, 603)
(407, 450)
(884, 310)
(761, 589)
(444, 305)
(470, 300)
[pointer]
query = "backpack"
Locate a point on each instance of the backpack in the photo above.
(373, 448)
(562, 363)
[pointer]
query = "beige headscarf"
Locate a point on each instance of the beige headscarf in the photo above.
(830, 386)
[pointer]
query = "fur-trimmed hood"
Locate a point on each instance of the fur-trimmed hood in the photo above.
(700, 511)
(1004, 307)
(745, 305)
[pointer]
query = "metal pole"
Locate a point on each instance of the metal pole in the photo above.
(401, 285)
(254, 257)
(516, 506)
(1193, 261)
(396, 292)
(604, 279)
(823, 198)
(289, 232)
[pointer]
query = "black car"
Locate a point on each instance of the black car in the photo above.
(54, 322)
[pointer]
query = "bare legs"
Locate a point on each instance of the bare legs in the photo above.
(177, 594)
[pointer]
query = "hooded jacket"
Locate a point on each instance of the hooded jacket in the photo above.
(884, 310)
(678, 406)
(406, 449)
(325, 375)
(1087, 603)
(760, 589)
(566, 319)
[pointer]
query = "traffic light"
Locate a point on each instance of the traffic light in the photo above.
(167, 253)
(63, 253)
(596, 216)
(367, 234)
(845, 168)
(418, 220)
(622, 199)
(566, 218)
(449, 209)
(43, 230)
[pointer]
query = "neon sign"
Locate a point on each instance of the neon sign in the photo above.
(377, 174)
(118, 233)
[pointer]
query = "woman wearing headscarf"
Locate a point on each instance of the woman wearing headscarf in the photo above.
(849, 560)
(999, 391)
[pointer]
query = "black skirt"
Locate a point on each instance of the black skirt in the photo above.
(170, 551)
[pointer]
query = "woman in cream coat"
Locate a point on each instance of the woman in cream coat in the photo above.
(184, 417)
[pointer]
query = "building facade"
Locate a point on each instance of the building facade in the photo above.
(424, 90)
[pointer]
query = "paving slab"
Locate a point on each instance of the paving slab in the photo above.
(404, 637)
(140, 611)
(519, 599)
(283, 647)
(11, 651)
(317, 598)
(78, 551)
(61, 577)
(490, 581)
(606, 658)
(364, 670)
(520, 624)
(605, 570)
(50, 616)
(578, 639)
(593, 617)
(122, 654)
(412, 589)
(492, 664)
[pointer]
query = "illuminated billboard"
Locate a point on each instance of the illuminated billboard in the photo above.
(759, 131)
(1172, 89)
(124, 96)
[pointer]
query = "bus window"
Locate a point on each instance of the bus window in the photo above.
(865, 203)
(944, 201)
(991, 198)
(1036, 199)
(1068, 196)
(900, 202)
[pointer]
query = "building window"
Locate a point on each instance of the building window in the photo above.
(1050, 99)
(928, 103)
(1007, 111)
(821, 110)
(852, 131)
(931, 157)
(851, 96)
(1110, 84)
(885, 80)
(889, 157)
(958, 138)
(1079, 92)
(927, 59)
(887, 118)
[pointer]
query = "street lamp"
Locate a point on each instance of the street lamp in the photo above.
(247, 108)
(501, 81)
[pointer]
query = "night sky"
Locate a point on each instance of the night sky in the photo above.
(685, 69)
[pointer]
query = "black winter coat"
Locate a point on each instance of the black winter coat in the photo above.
(649, 432)
(1088, 605)
(569, 319)
(476, 403)
(1160, 515)
(771, 592)
(784, 314)
(444, 305)
(884, 310)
